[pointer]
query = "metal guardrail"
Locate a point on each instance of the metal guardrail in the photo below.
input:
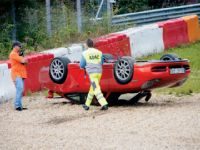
(157, 15)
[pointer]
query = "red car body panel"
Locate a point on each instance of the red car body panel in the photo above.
(147, 75)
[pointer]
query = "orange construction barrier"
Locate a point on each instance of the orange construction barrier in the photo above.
(193, 27)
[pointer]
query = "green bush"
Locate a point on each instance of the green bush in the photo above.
(32, 32)
(5, 40)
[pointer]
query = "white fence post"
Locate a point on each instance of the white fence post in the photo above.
(48, 17)
(79, 18)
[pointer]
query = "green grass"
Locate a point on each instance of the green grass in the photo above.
(192, 85)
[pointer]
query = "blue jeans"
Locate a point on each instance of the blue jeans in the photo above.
(19, 83)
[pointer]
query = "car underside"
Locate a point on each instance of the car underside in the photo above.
(120, 76)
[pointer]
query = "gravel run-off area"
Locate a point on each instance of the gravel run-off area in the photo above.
(165, 122)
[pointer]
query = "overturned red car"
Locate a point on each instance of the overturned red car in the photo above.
(120, 76)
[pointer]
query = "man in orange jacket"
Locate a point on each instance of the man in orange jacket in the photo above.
(18, 73)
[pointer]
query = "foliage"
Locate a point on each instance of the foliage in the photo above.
(31, 27)
(127, 6)
(31, 22)
(5, 40)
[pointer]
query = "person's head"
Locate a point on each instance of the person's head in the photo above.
(16, 45)
(89, 43)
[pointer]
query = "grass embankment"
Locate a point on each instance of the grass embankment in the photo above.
(192, 85)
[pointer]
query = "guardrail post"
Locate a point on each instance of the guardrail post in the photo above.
(79, 19)
(14, 32)
(48, 17)
(109, 11)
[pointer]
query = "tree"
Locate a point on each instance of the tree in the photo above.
(127, 6)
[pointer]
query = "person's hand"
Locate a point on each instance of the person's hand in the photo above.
(24, 61)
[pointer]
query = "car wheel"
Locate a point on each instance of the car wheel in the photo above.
(58, 69)
(123, 70)
(170, 57)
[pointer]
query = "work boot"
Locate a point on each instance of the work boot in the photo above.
(86, 107)
(19, 109)
(105, 107)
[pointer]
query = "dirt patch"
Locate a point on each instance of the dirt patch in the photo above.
(165, 122)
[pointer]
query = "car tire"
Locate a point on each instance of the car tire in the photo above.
(58, 69)
(170, 57)
(124, 70)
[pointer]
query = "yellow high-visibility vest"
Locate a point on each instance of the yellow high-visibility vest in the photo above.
(93, 58)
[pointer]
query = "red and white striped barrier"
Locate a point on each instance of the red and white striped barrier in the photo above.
(34, 66)
(7, 87)
(145, 40)
(57, 52)
(193, 28)
(73, 52)
(116, 44)
(174, 32)
(136, 42)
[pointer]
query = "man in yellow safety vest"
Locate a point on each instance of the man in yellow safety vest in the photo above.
(92, 60)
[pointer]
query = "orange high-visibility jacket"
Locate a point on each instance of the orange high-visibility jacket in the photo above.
(17, 68)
